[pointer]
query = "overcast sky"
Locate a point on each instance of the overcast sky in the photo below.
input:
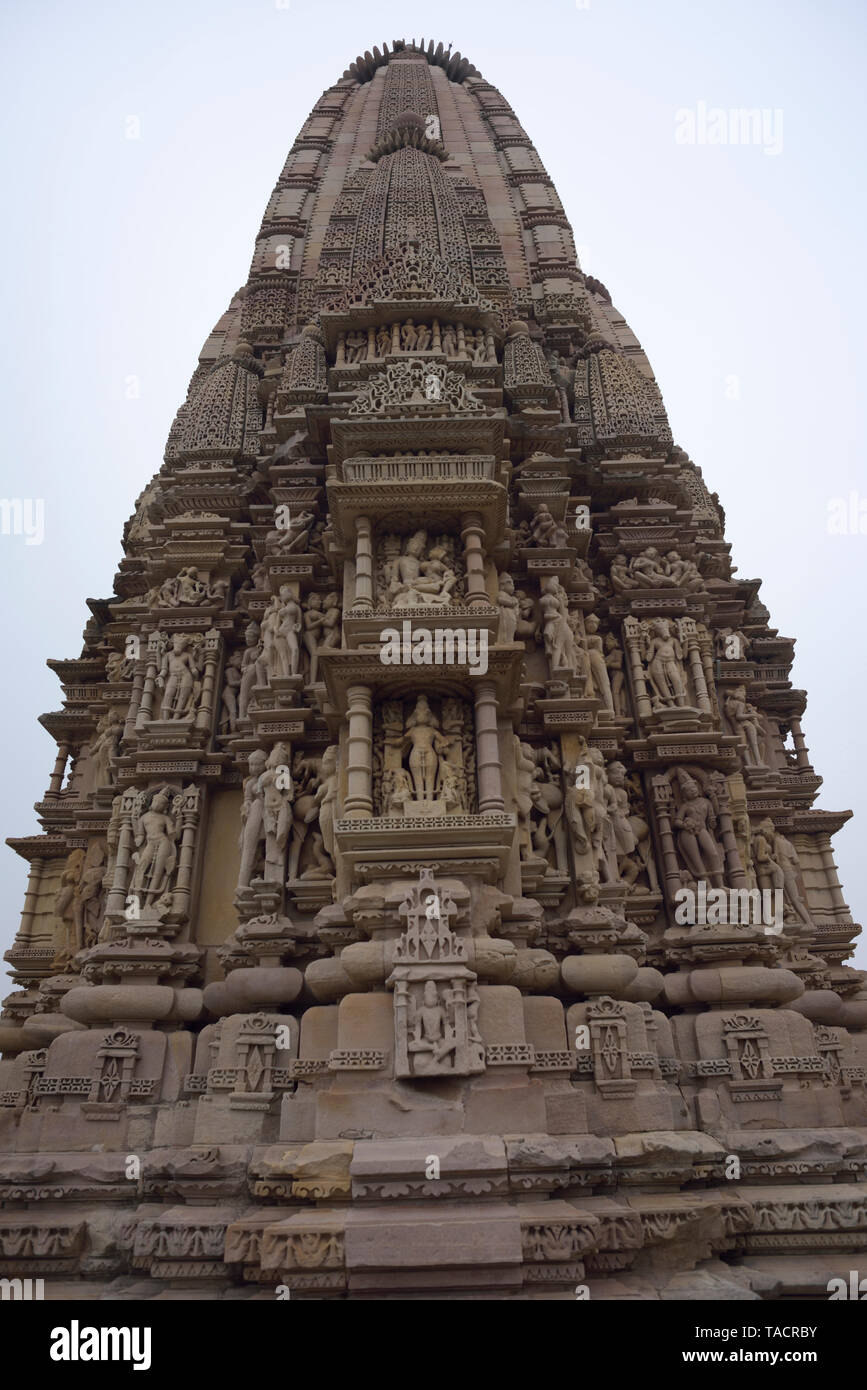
(739, 267)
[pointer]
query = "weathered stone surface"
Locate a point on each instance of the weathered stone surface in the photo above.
(430, 899)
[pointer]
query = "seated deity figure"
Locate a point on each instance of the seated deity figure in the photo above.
(291, 538)
(419, 583)
(544, 530)
(648, 569)
(425, 742)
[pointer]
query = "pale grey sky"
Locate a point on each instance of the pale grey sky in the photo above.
(740, 268)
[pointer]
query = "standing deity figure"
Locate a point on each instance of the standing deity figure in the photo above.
(325, 808)
(525, 772)
(664, 655)
(424, 740)
(631, 832)
(178, 677)
(614, 663)
(408, 337)
(103, 749)
(253, 670)
(449, 340)
(695, 823)
(509, 608)
(252, 817)
(313, 622)
(229, 697)
(288, 629)
(776, 865)
(276, 790)
(383, 341)
(747, 721)
(559, 638)
(596, 655)
(562, 379)
(156, 832)
(423, 338)
(330, 635)
(64, 905)
(356, 346)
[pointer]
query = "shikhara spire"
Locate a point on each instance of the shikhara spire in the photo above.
(384, 909)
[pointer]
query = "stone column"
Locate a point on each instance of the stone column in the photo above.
(135, 698)
(340, 355)
(632, 640)
(472, 534)
(371, 342)
(693, 654)
(115, 905)
(56, 781)
(156, 647)
(802, 752)
(395, 337)
(461, 350)
(206, 702)
(662, 799)
(363, 563)
(488, 749)
(189, 823)
(436, 337)
(359, 754)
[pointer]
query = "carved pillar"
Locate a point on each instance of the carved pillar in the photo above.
(736, 876)
(363, 563)
(662, 799)
(488, 749)
(830, 868)
(189, 824)
(395, 337)
(31, 897)
(116, 900)
(689, 638)
(135, 698)
(56, 781)
(472, 533)
(340, 356)
(359, 754)
(436, 337)
(632, 640)
(209, 676)
(462, 342)
(371, 342)
(156, 647)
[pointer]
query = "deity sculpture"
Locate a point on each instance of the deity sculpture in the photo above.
(232, 676)
(104, 747)
(253, 671)
(598, 666)
(509, 607)
(291, 538)
(545, 531)
(663, 655)
(156, 827)
(695, 823)
(424, 741)
(420, 583)
(777, 867)
(745, 720)
(559, 638)
(179, 677)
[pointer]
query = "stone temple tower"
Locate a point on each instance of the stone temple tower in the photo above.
(430, 899)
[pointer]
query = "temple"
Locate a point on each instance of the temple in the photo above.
(430, 900)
